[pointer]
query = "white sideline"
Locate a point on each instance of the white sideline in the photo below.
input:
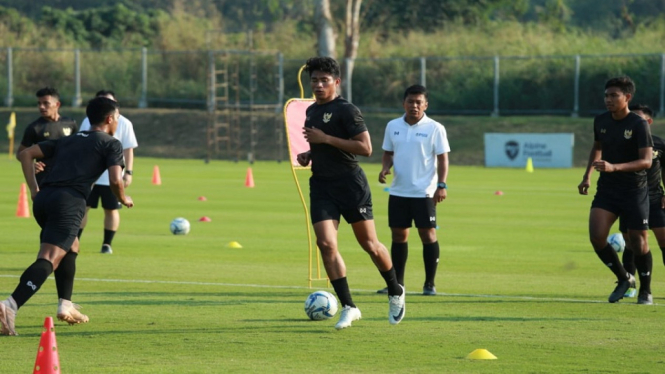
(534, 298)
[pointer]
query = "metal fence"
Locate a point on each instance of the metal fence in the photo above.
(500, 85)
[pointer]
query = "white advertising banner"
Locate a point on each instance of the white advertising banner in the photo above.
(545, 150)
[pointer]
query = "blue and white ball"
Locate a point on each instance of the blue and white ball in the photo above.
(179, 226)
(320, 305)
(617, 242)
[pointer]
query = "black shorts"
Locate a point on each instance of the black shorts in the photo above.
(403, 210)
(109, 201)
(59, 211)
(632, 206)
(656, 218)
(349, 196)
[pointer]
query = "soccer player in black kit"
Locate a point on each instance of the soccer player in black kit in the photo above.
(622, 152)
(336, 132)
(51, 125)
(59, 205)
(656, 205)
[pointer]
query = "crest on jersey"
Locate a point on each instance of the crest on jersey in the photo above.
(628, 134)
(47, 134)
(326, 117)
(67, 131)
(656, 153)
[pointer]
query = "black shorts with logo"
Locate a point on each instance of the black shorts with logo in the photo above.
(403, 210)
(59, 211)
(656, 218)
(109, 201)
(348, 196)
(632, 206)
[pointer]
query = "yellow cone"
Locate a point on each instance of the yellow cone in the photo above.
(529, 165)
(481, 354)
(234, 245)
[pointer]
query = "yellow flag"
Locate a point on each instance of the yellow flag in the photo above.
(11, 126)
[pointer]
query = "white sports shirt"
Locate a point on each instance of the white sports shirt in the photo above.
(124, 133)
(415, 149)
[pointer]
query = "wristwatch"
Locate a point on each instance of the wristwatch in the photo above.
(128, 172)
(442, 185)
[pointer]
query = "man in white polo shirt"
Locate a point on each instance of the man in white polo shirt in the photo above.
(417, 148)
(101, 189)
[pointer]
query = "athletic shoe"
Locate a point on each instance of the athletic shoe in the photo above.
(383, 291)
(347, 317)
(397, 307)
(7, 317)
(621, 288)
(69, 312)
(429, 290)
(630, 293)
(644, 298)
(106, 249)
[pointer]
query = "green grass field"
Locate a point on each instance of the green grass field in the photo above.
(517, 277)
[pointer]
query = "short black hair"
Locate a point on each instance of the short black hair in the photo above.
(323, 64)
(416, 89)
(48, 91)
(642, 108)
(624, 83)
(99, 108)
(106, 93)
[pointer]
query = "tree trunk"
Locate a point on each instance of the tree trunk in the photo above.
(324, 27)
(351, 42)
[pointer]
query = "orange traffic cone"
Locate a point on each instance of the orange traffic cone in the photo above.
(23, 210)
(156, 179)
(47, 355)
(249, 179)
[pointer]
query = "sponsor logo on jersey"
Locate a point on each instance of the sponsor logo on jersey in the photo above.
(628, 134)
(326, 117)
(421, 134)
(602, 131)
(67, 131)
(396, 133)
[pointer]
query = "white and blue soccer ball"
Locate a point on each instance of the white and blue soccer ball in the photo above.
(179, 226)
(320, 305)
(617, 242)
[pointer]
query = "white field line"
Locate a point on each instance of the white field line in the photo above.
(507, 297)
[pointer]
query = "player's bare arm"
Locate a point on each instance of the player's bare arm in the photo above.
(594, 155)
(118, 186)
(387, 163)
(442, 172)
(359, 145)
(27, 157)
(129, 165)
(642, 163)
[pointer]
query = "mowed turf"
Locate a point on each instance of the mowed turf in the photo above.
(517, 276)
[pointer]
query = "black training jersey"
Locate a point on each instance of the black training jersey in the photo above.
(79, 160)
(337, 118)
(620, 143)
(43, 129)
(654, 173)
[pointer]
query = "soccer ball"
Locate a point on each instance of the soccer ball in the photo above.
(617, 242)
(179, 226)
(320, 305)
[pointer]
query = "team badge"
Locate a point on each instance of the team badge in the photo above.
(326, 117)
(656, 154)
(628, 134)
(47, 134)
(602, 131)
(67, 131)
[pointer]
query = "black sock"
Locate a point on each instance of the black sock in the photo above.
(431, 259)
(610, 258)
(644, 263)
(31, 280)
(399, 252)
(662, 249)
(80, 233)
(343, 293)
(64, 276)
(108, 236)
(628, 260)
(391, 281)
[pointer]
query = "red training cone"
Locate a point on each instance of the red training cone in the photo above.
(156, 179)
(249, 179)
(205, 219)
(23, 210)
(202, 198)
(47, 355)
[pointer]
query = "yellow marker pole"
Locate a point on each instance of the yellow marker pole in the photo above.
(10, 133)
